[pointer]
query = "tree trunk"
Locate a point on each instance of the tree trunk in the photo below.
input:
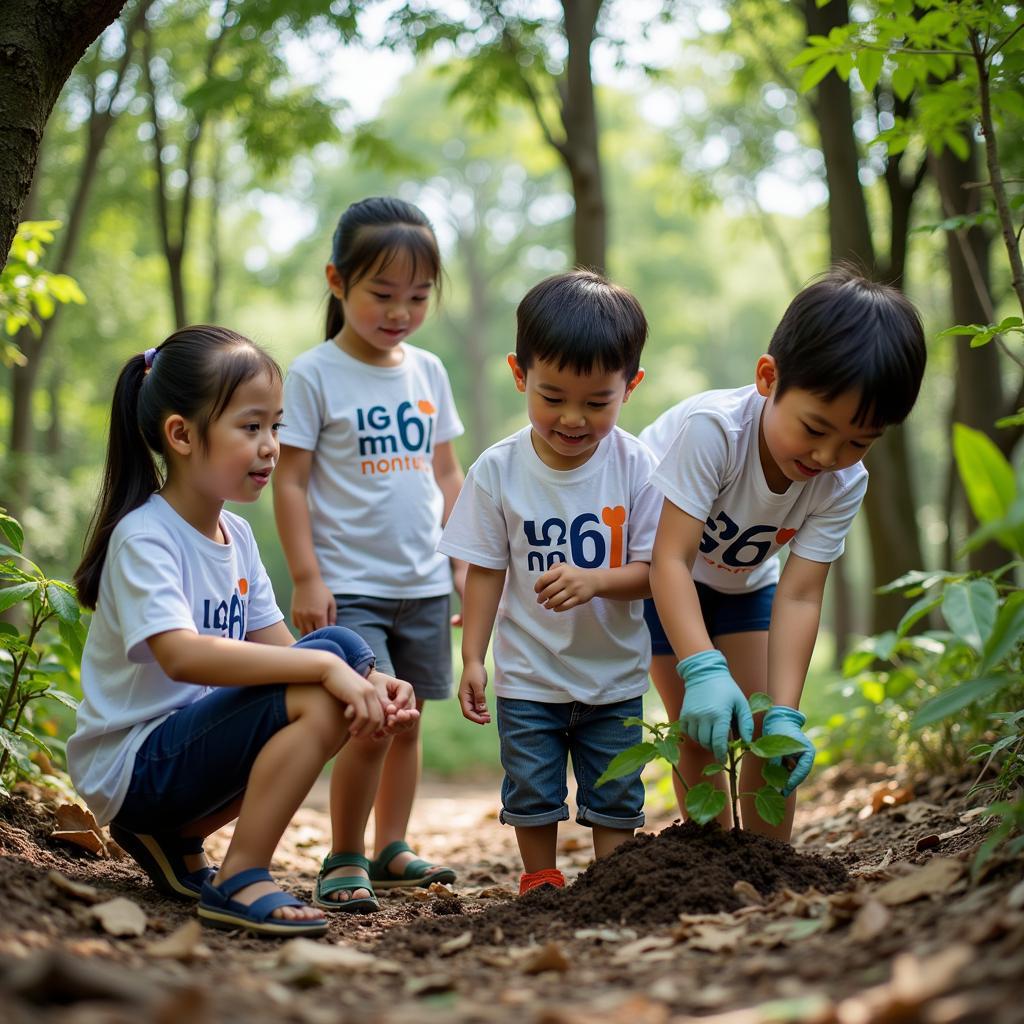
(580, 151)
(40, 43)
(889, 504)
(475, 340)
(214, 247)
(978, 398)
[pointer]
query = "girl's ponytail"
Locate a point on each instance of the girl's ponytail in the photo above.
(129, 477)
(373, 231)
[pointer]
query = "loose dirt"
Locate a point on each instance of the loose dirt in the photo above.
(873, 916)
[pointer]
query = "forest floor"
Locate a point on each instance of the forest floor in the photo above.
(872, 918)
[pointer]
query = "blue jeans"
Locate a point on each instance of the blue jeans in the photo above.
(197, 760)
(536, 738)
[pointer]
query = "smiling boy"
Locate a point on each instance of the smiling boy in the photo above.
(556, 523)
(746, 472)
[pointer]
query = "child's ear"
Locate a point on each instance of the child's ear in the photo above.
(766, 375)
(634, 384)
(517, 372)
(178, 435)
(335, 281)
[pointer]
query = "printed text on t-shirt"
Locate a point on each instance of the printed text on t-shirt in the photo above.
(387, 440)
(227, 616)
(746, 550)
(587, 543)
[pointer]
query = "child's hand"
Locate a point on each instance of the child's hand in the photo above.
(565, 586)
(711, 701)
(313, 606)
(364, 711)
(397, 701)
(471, 693)
(783, 721)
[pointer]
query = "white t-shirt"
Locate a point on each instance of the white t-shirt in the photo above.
(160, 574)
(711, 469)
(517, 513)
(374, 504)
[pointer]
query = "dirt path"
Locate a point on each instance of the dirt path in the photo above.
(912, 938)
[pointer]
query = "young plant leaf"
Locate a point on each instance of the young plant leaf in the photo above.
(713, 769)
(770, 804)
(12, 530)
(628, 761)
(1006, 633)
(775, 775)
(668, 749)
(63, 602)
(759, 702)
(970, 611)
(704, 803)
(776, 746)
(10, 596)
(952, 701)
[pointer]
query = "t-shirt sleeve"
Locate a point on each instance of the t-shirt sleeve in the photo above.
(694, 469)
(145, 585)
(476, 530)
(645, 511)
(449, 425)
(303, 411)
(822, 535)
(263, 609)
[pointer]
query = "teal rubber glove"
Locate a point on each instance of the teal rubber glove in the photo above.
(711, 703)
(783, 721)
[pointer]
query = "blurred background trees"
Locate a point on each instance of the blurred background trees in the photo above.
(711, 155)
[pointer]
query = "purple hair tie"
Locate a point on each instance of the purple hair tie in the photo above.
(149, 357)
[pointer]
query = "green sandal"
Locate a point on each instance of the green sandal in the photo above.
(417, 872)
(345, 883)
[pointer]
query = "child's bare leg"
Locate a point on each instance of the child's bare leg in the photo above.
(397, 791)
(537, 846)
(281, 777)
(607, 839)
(355, 780)
(670, 688)
(747, 655)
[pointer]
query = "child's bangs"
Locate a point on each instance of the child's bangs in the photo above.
(377, 248)
(232, 368)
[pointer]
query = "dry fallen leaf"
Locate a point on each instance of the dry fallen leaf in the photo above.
(548, 958)
(495, 892)
(307, 953)
(184, 944)
(747, 893)
(605, 934)
(929, 842)
(72, 818)
(871, 921)
(81, 891)
(462, 941)
(642, 947)
(429, 985)
(85, 838)
(120, 917)
(936, 877)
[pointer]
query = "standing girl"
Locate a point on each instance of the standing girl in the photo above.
(368, 476)
(198, 707)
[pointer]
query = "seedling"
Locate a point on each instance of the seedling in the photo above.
(705, 801)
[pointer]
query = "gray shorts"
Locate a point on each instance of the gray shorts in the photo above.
(411, 638)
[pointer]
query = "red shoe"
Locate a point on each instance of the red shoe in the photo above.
(546, 876)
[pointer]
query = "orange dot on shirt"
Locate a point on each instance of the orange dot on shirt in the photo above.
(243, 586)
(425, 407)
(785, 536)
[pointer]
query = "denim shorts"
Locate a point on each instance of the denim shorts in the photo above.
(723, 613)
(535, 739)
(197, 760)
(411, 638)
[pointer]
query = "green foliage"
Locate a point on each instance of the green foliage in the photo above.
(705, 801)
(28, 293)
(34, 663)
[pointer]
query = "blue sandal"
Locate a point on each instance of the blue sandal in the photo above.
(218, 909)
(163, 859)
(417, 872)
(345, 883)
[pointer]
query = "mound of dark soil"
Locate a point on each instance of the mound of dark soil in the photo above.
(649, 880)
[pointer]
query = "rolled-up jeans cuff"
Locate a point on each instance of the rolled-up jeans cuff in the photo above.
(534, 820)
(585, 816)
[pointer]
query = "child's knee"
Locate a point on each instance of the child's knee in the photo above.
(319, 713)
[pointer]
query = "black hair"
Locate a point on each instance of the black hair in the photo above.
(377, 230)
(194, 373)
(582, 321)
(846, 333)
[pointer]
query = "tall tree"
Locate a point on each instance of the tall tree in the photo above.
(40, 43)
